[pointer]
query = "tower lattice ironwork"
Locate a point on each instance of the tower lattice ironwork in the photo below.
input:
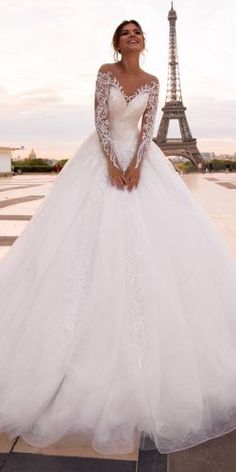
(186, 146)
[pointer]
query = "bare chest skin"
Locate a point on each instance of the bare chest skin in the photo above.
(130, 83)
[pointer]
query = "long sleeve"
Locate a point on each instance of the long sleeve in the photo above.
(148, 121)
(102, 116)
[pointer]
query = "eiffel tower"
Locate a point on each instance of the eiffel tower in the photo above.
(186, 146)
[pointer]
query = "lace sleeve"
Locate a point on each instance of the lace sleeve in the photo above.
(102, 115)
(148, 122)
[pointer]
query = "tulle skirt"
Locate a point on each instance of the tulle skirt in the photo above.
(118, 313)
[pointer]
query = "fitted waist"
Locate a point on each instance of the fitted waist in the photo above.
(123, 130)
(125, 144)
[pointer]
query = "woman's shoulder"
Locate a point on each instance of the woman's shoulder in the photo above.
(150, 78)
(105, 73)
(110, 70)
(106, 67)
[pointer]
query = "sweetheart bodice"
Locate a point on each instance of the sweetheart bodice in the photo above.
(124, 115)
(124, 118)
(117, 116)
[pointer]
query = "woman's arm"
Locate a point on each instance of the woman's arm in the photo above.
(145, 137)
(102, 114)
(102, 124)
(147, 126)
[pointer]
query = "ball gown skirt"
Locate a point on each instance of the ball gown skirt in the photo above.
(118, 309)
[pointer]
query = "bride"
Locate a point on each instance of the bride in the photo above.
(117, 302)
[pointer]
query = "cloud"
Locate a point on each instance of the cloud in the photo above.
(52, 131)
(40, 98)
(213, 117)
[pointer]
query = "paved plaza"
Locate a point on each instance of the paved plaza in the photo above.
(20, 196)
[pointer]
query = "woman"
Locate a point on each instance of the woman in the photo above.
(122, 317)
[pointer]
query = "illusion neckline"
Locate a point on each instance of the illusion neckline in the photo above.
(139, 90)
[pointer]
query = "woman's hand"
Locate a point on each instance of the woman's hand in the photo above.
(132, 175)
(116, 175)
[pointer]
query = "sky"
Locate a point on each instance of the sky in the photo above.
(50, 52)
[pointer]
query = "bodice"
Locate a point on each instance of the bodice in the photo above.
(117, 116)
(125, 114)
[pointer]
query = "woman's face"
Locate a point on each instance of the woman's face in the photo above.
(131, 39)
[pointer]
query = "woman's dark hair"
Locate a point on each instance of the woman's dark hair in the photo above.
(116, 35)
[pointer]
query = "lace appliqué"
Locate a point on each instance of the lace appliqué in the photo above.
(103, 83)
(102, 115)
(148, 121)
(129, 98)
(81, 273)
(135, 302)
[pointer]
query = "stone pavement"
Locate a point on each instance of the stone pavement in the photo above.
(20, 196)
(216, 193)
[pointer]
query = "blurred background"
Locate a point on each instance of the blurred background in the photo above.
(50, 51)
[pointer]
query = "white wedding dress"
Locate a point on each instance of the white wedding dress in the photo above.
(118, 308)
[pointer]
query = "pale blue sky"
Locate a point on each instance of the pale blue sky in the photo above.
(51, 49)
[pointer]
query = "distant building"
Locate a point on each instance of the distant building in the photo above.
(32, 155)
(5, 159)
